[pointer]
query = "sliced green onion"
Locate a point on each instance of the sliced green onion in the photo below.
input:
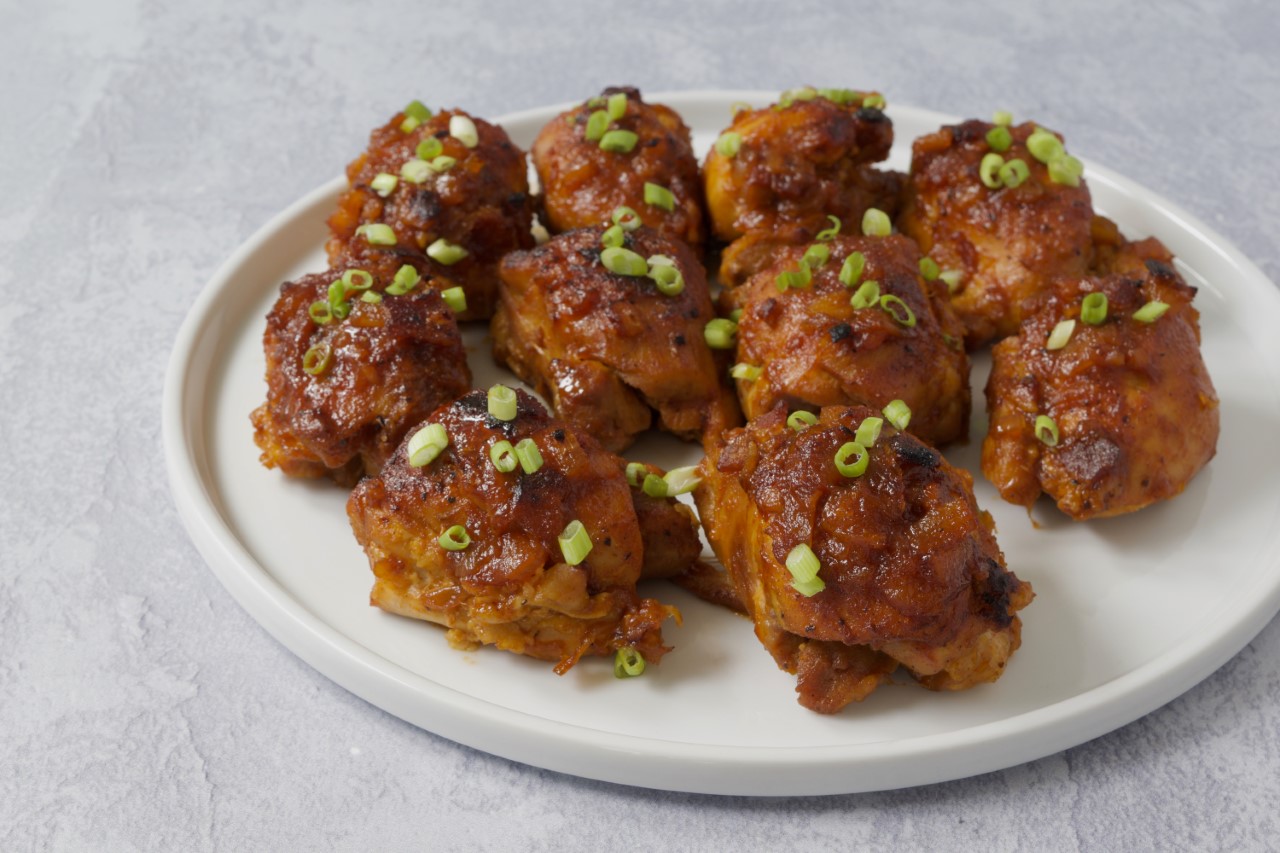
(790, 96)
(669, 279)
(503, 456)
(612, 237)
(952, 279)
(897, 413)
(729, 144)
(341, 310)
(377, 233)
(337, 293)
(406, 279)
(455, 538)
(1066, 170)
(426, 444)
(843, 97)
(1151, 312)
(736, 315)
(529, 455)
(929, 269)
(617, 106)
(661, 261)
(371, 296)
(873, 101)
(455, 298)
(817, 255)
(746, 372)
(1047, 430)
(463, 129)
(626, 218)
(999, 138)
(804, 566)
(852, 459)
(1002, 117)
(826, 235)
(659, 196)
(800, 419)
(739, 107)
(989, 170)
(597, 101)
(866, 295)
(634, 470)
(654, 486)
(797, 279)
(316, 360)
(628, 663)
(357, 280)
(429, 148)
(415, 113)
(321, 312)
(1014, 172)
(875, 223)
(597, 124)
(852, 269)
(620, 141)
(383, 183)
(720, 333)
(681, 480)
(1045, 146)
(415, 171)
(623, 261)
(1093, 310)
(1060, 335)
(868, 431)
(897, 309)
(446, 253)
(503, 403)
(575, 543)
(443, 163)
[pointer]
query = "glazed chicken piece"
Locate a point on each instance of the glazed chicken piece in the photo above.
(1005, 244)
(602, 154)
(449, 195)
(1131, 412)
(815, 349)
(346, 377)
(907, 567)
(798, 161)
(460, 543)
(604, 347)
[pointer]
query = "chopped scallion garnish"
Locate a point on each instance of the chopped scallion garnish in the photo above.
(897, 309)
(575, 543)
(455, 298)
(612, 237)
(503, 404)
(597, 124)
(720, 333)
(729, 144)
(1060, 335)
(616, 106)
(797, 279)
(1002, 117)
(929, 269)
(623, 261)
(377, 233)
(1014, 172)
(804, 566)
(1093, 309)
(989, 170)
(800, 419)
(619, 141)
(316, 360)
(628, 663)
(875, 223)
(1044, 146)
(654, 486)
(681, 480)
(867, 294)
(529, 455)
(826, 235)
(426, 444)
(626, 218)
(868, 431)
(357, 280)
(746, 372)
(443, 163)
(634, 472)
(817, 255)
(383, 183)
(999, 139)
(852, 459)
(321, 312)
(503, 456)
(406, 279)
(455, 538)
(1047, 430)
(897, 413)
(429, 148)
(463, 129)
(1151, 312)
(668, 278)
(446, 253)
(1066, 170)
(851, 270)
(952, 279)
(371, 296)
(659, 197)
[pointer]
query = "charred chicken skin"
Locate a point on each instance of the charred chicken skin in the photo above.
(814, 348)
(798, 161)
(907, 567)
(460, 543)
(1118, 412)
(604, 153)
(1006, 243)
(604, 347)
(450, 196)
(346, 378)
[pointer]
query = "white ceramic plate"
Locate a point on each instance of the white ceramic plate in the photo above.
(1129, 612)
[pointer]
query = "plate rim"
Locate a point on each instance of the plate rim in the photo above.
(654, 763)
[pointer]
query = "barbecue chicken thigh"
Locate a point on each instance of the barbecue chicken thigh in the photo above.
(348, 376)
(540, 559)
(615, 151)
(604, 346)
(848, 574)
(866, 328)
(1001, 223)
(448, 193)
(1104, 404)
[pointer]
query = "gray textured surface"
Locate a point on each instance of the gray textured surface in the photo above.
(141, 708)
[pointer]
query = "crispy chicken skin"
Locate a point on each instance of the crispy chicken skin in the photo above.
(582, 183)
(817, 350)
(1009, 244)
(482, 204)
(912, 572)
(797, 164)
(605, 347)
(391, 364)
(510, 587)
(1135, 409)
